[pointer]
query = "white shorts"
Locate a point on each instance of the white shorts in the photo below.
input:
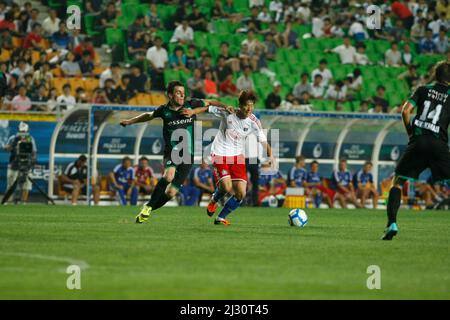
(12, 176)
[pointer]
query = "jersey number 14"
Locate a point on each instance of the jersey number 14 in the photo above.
(434, 114)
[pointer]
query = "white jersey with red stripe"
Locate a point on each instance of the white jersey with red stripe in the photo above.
(233, 131)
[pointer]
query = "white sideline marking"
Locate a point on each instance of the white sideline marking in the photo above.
(71, 261)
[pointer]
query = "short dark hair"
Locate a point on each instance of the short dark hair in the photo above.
(314, 162)
(442, 72)
(368, 163)
(343, 160)
(67, 86)
(82, 158)
(323, 61)
(126, 159)
(115, 65)
(143, 158)
(172, 84)
(245, 96)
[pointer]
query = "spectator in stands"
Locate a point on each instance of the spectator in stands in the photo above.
(317, 88)
(427, 45)
(94, 6)
(202, 180)
(107, 18)
(364, 106)
(380, 100)
(52, 99)
(401, 10)
(29, 85)
(441, 42)
(231, 12)
(222, 70)
(411, 76)
(345, 51)
(217, 11)
(230, 59)
(137, 26)
(138, 81)
(418, 30)
(264, 16)
(365, 188)
(227, 87)
(145, 179)
(437, 23)
(297, 174)
(123, 182)
(21, 70)
(158, 58)
(315, 190)
(6, 39)
(74, 180)
(273, 100)
(8, 23)
(152, 19)
(196, 85)
(66, 101)
(75, 39)
(197, 19)
(21, 102)
(177, 59)
(343, 186)
(179, 16)
(360, 56)
(326, 74)
(86, 65)
(183, 34)
(206, 65)
(337, 92)
(113, 72)
(51, 23)
(69, 67)
(34, 39)
(252, 22)
(407, 56)
(245, 81)
(357, 80)
(123, 91)
(210, 86)
(110, 91)
(272, 186)
(357, 30)
(289, 38)
(397, 33)
(40, 96)
(136, 50)
(32, 19)
(191, 58)
(393, 56)
(85, 44)
(80, 95)
(302, 86)
(270, 46)
(60, 38)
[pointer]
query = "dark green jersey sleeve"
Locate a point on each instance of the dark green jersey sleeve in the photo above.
(196, 103)
(416, 96)
(158, 112)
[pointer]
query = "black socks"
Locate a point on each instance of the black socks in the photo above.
(394, 201)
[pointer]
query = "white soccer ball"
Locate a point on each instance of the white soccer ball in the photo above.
(297, 218)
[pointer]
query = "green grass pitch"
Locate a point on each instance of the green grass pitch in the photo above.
(180, 254)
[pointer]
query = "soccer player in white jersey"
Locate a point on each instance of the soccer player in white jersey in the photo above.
(228, 153)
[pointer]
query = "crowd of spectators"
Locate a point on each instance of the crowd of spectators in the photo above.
(36, 53)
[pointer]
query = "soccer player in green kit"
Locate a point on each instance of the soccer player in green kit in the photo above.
(428, 140)
(177, 115)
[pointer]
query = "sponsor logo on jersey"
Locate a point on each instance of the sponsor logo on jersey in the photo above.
(178, 122)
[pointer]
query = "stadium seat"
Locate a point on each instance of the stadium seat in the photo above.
(89, 21)
(90, 84)
(5, 55)
(158, 99)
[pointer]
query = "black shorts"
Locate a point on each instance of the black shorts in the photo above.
(182, 171)
(425, 152)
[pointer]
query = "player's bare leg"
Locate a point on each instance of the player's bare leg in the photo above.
(374, 194)
(341, 199)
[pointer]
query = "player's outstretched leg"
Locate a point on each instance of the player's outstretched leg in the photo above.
(158, 193)
(221, 191)
(394, 201)
(239, 188)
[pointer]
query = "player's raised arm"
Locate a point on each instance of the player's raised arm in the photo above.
(407, 110)
(207, 103)
(144, 117)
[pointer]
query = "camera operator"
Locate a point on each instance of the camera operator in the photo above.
(74, 180)
(15, 166)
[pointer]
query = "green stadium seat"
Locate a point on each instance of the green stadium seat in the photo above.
(170, 75)
(89, 21)
(114, 37)
(135, 2)
(55, 4)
